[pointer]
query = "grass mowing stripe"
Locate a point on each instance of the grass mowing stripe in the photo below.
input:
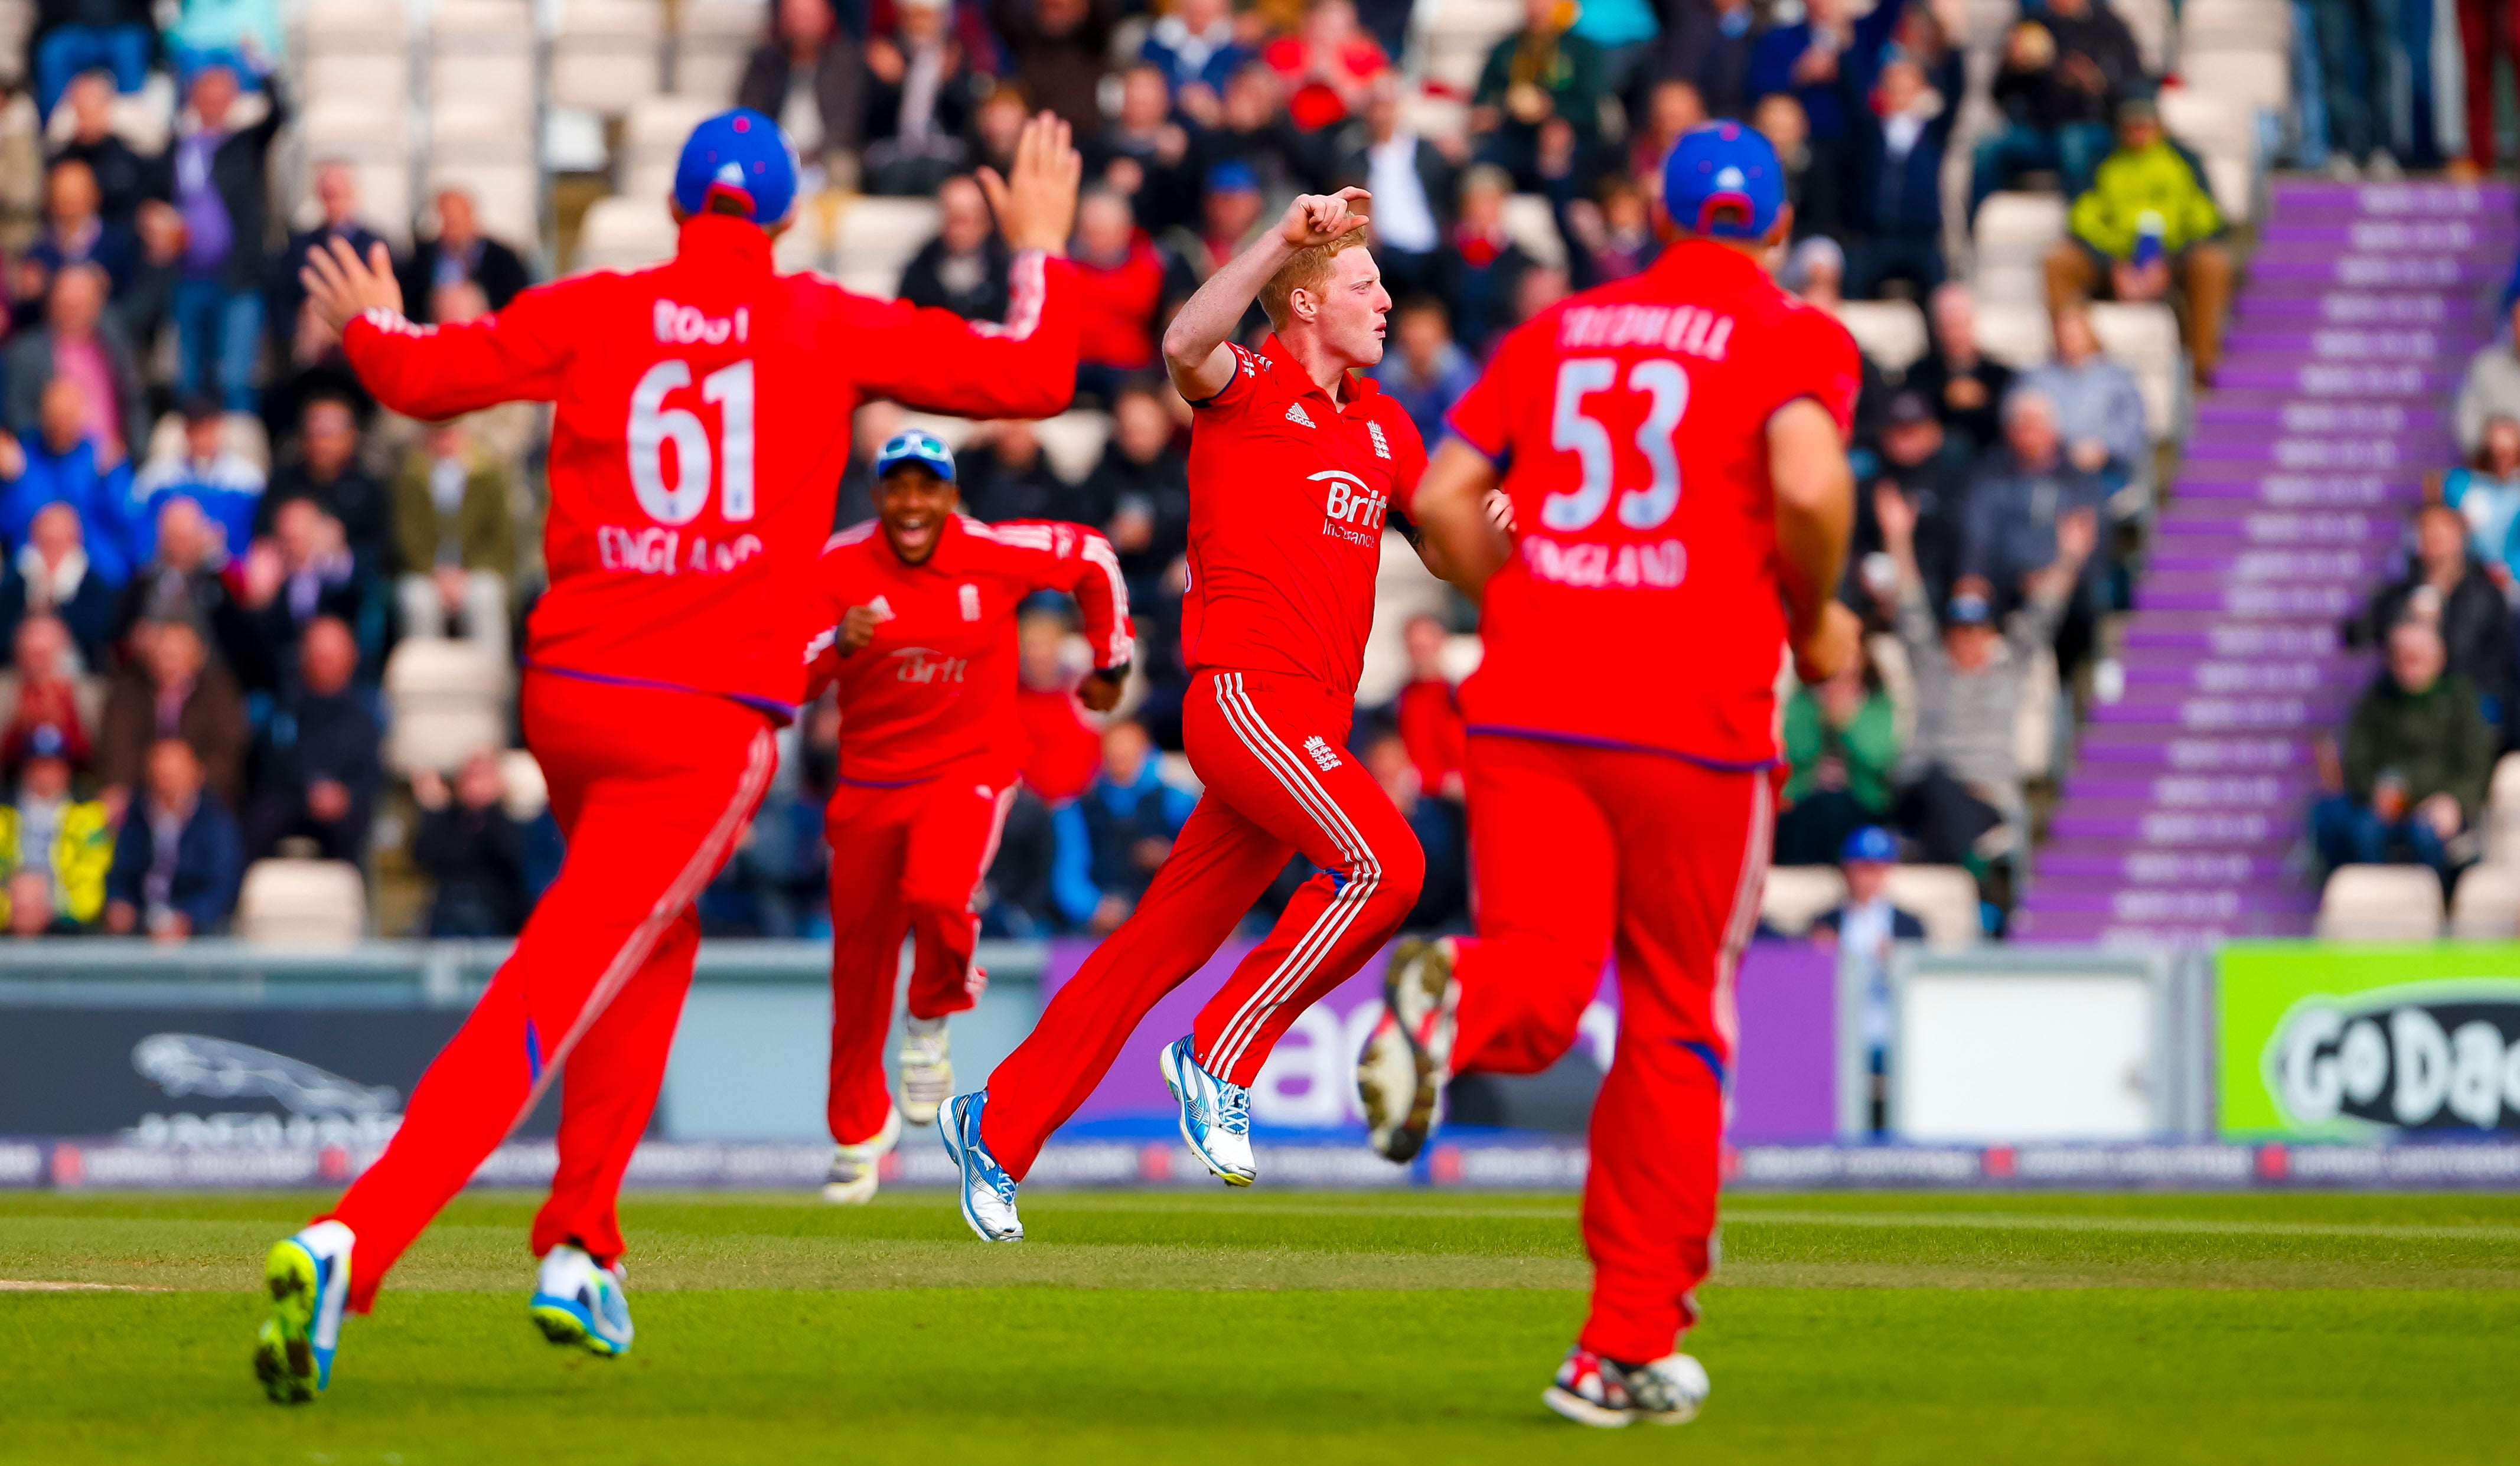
(2023, 1222)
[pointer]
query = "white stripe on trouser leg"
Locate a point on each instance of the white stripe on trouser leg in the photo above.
(1755, 847)
(1318, 941)
(1323, 935)
(760, 762)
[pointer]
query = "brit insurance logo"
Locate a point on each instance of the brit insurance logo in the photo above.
(1352, 509)
(2432, 1057)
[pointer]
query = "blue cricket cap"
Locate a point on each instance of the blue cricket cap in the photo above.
(740, 154)
(1723, 179)
(1233, 176)
(915, 447)
(1869, 843)
(1971, 611)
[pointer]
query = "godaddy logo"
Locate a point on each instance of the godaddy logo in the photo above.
(2435, 1056)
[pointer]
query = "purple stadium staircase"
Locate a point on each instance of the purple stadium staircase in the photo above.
(2362, 305)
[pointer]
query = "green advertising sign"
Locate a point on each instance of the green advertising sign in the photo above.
(2360, 1041)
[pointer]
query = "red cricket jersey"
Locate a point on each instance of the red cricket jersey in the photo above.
(1288, 492)
(1641, 607)
(937, 684)
(701, 428)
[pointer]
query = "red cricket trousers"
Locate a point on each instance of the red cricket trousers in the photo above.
(906, 859)
(1273, 754)
(597, 979)
(1579, 853)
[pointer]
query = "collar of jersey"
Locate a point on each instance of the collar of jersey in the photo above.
(1359, 385)
(949, 541)
(1697, 260)
(721, 240)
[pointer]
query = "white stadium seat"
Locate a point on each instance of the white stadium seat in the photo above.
(290, 903)
(2381, 904)
(608, 55)
(2015, 231)
(2015, 332)
(1891, 334)
(652, 142)
(1943, 898)
(624, 233)
(1530, 224)
(1797, 895)
(712, 40)
(2486, 907)
(2144, 338)
(447, 701)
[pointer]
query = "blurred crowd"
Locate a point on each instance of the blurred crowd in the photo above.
(214, 540)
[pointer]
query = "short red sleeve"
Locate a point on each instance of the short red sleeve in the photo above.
(1408, 457)
(1483, 415)
(1812, 356)
(1251, 377)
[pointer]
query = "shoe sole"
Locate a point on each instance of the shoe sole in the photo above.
(1170, 1065)
(564, 1322)
(954, 1151)
(284, 1350)
(1416, 965)
(1583, 1411)
(856, 1193)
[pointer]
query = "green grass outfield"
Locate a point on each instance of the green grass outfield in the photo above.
(1298, 1328)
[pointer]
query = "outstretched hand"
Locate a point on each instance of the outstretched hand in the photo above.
(1319, 218)
(1036, 206)
(341, 286)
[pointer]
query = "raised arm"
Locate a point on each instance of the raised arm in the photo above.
(1815, 520)
(1195, 343)
(429, 372)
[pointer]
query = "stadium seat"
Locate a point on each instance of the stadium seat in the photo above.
(1455, 37)
(485, 147)
(624, 233)
(608, 55)
(2149, 20)
(2502, 811)
(2144, 338)
(652, 141)
(2015, 231)
(1891, 334)
(2223, 24)
(2381, 904)
(1943, 898)
(375, 139)
(2016, 332)
(1073, 442)
(1796, 895)
(2033, 721)
(290, 903)
(447, 699)
(712, 40)
(2256, 76)
(522, 789)
(241, 433)
(2486, 907)
(873, 240)
(1528, 222)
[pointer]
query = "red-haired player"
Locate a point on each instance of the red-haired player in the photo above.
(1674, 450)
(913, 613)
(702, 425)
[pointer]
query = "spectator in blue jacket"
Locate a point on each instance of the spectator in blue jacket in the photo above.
(64, 466)
(76, 231)
(222, 481)
(1894, 201)
(1825, 62)
(1862, 931)
(319, 770)
(1110, 838)
(2485, 491)
(179, 861)
(73, 36)
(52, 575)
(1197, 51)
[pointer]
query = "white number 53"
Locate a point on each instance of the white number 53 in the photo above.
(1571, 430)
(653, 425)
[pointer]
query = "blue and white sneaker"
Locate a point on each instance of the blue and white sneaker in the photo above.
(308, 1278)
(576, 1300)
(1215, 1115)
(988, 1192)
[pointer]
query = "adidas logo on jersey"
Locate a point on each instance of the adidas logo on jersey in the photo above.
(1323, 755)
(1381, 445)
(1296, 413)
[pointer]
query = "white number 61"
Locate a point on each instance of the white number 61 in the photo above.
(653, 425)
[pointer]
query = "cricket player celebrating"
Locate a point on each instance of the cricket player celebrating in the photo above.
(1294, 465)
(913, 614)
(701, 426)
(1674, 449)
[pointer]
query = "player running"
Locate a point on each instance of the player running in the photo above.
(914, 617)
(701, 428)
(1294, 464)
(1674, 449)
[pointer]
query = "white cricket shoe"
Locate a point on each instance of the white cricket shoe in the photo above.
(988, 1192)
(577, 1302)
(851, 1180)
(926, 1063)
(307, 1278)
(1590, 1390)
(1407, 1058)
(1215, 1115)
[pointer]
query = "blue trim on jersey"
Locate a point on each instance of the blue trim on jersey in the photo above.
(1706, 1051)
(881, 783)
(533, 1055)
(785, 712)
(1617, 745)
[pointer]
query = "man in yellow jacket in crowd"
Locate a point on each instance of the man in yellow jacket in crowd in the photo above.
(53, 849)
(2147, 223)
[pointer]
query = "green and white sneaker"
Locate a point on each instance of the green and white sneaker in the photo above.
(851, 1180)
(578, 1302)
(308, 1280)
(927, 1062)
